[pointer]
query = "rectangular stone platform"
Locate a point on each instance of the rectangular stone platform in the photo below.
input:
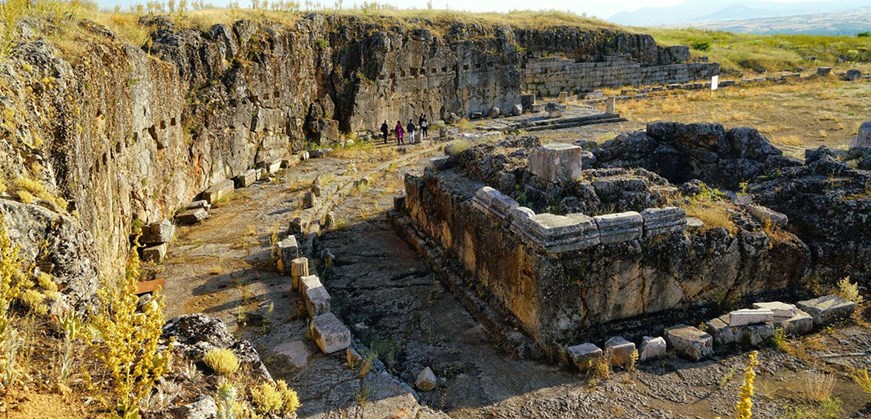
(246, 179)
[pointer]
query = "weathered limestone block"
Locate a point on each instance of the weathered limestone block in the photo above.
(494, 112)
(298, 269)
(154, 253)
(202, 203)
(689, 342)
(317, 301)
(329, 333)
(310, 200)
(619, 227)
(766, 215)
(399, 202)
(824, 71)
(219, 191)
(426, 380)
(246, 179)
(779, 309)
(666, 220)
(621, 350)
(799, 324)
(611, 107)
(584, 355)
(864, 137)
(494, 203)
(555, 233)
(827, 309)
(439, 163)
(191, 217)
(556, 162)
(747, 316)
(303, 155)
(517, 110)
(157, 233)
(289, 251)
(273, 167)
(652, 348)
(308, 282)
(748, 334)
(554, 110)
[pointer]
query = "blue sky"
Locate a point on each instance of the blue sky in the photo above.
(598, 8)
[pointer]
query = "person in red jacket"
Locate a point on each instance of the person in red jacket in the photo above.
(399, 133)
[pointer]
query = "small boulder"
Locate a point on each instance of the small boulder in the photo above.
(154, 253)
(652, 348)
(426, 380)
(329, 333)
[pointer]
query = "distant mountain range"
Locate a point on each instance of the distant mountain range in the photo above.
(830, 17)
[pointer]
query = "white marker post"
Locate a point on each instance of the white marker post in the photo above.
(715, 81)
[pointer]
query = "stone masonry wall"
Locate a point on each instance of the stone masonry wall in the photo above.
(560, 294)
(549, 76)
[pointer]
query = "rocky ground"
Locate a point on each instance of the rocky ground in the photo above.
(397, 307)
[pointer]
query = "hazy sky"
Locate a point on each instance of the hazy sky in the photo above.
(598, 8)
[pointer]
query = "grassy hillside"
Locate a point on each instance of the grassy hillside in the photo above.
(742, 52)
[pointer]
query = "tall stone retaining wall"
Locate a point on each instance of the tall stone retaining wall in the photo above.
(549, 76)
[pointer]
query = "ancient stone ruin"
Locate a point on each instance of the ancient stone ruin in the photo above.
(554, 245)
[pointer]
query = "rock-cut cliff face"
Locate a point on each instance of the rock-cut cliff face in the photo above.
(126, 133)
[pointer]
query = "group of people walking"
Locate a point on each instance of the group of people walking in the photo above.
(410, 130)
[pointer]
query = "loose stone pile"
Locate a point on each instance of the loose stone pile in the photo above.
(750, 327)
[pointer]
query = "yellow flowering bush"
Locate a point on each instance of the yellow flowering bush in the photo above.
(274, 398)
(222, 361)
(128, 345)
(745, 394)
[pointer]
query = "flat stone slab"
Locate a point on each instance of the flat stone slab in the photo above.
(317, 301)
(157, 233)
(799, 324)
(652, 348)
(779, 309)
(246, 179)
(619, 227)
(689, 342)
(191, 217)
(747, 316)
(494, 203)
(556, 233)
(556, 162)
(154, 253)
(621, 350)
(827, 309)
(202, 203)
(668, 220)
(584, 354)
(219, 191)
(329, 333)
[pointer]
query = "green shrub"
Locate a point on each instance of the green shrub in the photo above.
(701, 44)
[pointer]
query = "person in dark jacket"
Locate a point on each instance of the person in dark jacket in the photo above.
(410, 129)
(384, 130)
(424, 124)
(399, 133)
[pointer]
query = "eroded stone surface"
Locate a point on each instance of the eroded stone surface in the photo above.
(556, 162)
(827, 309)
(750, 316)
(621, 350)
(584, 354)
(157, 233)
(218, 191)
(329, 333)
(689, 342)
(426, 380)
(652, 348)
